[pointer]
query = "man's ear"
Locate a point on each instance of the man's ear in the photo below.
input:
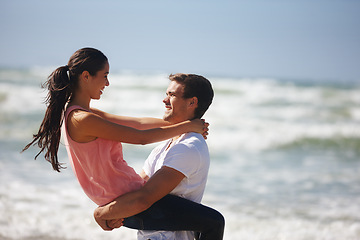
(193, 102)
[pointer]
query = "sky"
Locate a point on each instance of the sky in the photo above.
(299, 39)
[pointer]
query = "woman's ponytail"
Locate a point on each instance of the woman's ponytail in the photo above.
(48, 136)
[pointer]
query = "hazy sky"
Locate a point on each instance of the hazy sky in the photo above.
(316, 39)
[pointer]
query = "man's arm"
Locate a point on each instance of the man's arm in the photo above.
(129, 204)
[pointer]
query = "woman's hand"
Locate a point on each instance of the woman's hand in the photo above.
(200, 126)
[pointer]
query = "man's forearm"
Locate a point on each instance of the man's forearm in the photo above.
(132, 203)
(124, 206)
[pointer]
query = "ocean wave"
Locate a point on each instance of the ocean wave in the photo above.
(250, 114)
(338, 144)
(292, 149)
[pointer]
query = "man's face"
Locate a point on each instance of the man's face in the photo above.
(177, 108)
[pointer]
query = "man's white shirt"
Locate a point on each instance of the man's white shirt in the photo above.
(189, 155)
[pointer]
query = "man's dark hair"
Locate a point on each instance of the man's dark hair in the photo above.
(195, 86)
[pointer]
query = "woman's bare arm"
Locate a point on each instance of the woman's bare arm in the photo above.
(141, 123)
(86, 126)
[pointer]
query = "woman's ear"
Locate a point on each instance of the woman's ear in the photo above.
(85, 76)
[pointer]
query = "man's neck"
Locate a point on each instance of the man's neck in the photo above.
(176, 138)
(172, 142)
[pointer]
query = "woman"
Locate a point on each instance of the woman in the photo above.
(93, 138)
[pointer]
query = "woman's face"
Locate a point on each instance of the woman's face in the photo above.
(98, 82)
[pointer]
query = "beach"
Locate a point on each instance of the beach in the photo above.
(285, 157)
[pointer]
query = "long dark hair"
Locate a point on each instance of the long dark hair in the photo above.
(61, 85)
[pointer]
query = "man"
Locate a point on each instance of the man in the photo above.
(180, 165)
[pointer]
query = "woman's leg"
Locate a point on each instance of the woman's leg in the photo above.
(173, 213)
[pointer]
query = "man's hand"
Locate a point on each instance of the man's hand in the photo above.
(107, 225)
(115, 223)
(103, 224)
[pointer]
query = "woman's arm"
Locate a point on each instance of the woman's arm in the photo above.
(86, 126)
(141, 123)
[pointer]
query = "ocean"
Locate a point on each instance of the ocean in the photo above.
(285, 158)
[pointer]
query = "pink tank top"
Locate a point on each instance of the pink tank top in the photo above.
(99, 167)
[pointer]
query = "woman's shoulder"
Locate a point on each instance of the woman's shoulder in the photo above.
(78, 122)
(75, 110)
(72, 107)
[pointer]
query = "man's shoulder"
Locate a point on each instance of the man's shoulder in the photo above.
(192, 137)
(191, 142)
(156, 151)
